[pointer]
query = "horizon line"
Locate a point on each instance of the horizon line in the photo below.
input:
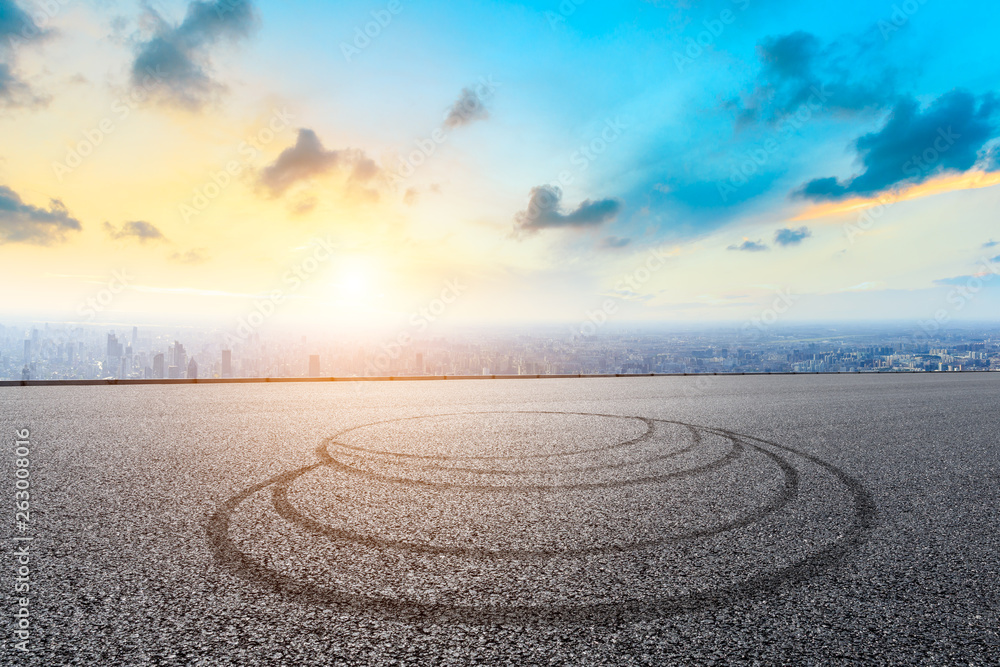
(439, 378)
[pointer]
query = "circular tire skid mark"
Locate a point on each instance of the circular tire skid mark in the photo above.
(667, 518)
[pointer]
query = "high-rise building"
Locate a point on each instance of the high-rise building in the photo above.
(113, 361)
(174, 373)
(420, 362)
(135, 337)
(192, 369)
(314, 365)
(27, 351)
(177, 356)
(227, 363)
(158, 367)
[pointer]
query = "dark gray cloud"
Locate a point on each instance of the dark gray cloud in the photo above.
(613, 242)
(749, 246)
(915, 145)
(177, 57)
(797, 69)
(470, 106)
(16, 27)
(545, 211)
(787, 237)
(137, 230)
(24, 223)
(308, 159)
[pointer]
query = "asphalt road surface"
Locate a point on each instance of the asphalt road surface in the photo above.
(678, 520)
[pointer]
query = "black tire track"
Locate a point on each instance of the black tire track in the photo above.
(324, 452)
(227, 555)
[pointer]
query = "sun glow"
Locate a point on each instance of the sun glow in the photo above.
(355, 280)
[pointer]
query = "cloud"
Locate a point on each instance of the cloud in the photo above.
(991, 244)
(613, 242)
(976, 281)
(304, 205)
(915, 145)
(797, 69)
(957, 280)
(13, 91)
(136, 230)
(308, 159)
(544, 211)
(193, 256)
(16, 27)
(787, 237)
(986, 271)
(469, 107)
(23, 223)
(177, 57)
(15, 22)
(749, 246)
(989, 158)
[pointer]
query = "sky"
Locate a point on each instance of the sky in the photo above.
(336, 163)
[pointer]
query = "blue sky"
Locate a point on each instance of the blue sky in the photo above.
(565, 69)
(559, 144)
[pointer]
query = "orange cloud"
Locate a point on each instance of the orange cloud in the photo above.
(972, 180)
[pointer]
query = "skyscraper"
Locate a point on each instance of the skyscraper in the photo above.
(227, 363)
(113, 360)
(192, 369)
(27, 351)
(158, 367)
(177, 356)
(314, 365)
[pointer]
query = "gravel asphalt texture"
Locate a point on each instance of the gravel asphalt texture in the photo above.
(621, 521)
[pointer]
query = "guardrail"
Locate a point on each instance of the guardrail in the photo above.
(418, 378)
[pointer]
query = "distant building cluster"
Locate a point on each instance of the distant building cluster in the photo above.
(56, 351)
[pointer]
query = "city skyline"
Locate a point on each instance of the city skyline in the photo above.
(63, 352)
(531, 162)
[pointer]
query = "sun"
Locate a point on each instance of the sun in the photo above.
(355, 280)
(353, 284)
